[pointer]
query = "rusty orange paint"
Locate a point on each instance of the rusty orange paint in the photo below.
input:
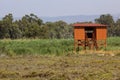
(79, 33)
(101, 33)
(86, 32)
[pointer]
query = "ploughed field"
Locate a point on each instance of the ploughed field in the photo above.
(66, 67)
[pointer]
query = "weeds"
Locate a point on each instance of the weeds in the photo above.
(37, 46)
(51, 47)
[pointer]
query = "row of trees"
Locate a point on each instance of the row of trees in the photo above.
(30, 26)
(113, 26)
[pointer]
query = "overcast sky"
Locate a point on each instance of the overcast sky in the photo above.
(58, 7)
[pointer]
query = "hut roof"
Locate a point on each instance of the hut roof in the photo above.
(88, 25)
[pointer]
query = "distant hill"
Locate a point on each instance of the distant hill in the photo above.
(72, 19)
(76, 18)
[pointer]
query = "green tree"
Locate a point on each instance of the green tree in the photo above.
(15, 32)
(62, 29)
(117, 27)
(5, 26)
(107, 19)
(59, 29)
(30, 26)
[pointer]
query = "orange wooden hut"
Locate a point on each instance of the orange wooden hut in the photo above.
(90, 35)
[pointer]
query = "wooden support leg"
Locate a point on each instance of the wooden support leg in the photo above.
(75, 45)
(105, 45)
(92, 46)
(84, 46)
(96, 45)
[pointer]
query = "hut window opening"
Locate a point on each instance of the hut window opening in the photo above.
(89, 32)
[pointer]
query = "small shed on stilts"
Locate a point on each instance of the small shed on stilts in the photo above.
(89, 35)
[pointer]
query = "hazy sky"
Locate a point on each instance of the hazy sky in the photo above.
(58, 7)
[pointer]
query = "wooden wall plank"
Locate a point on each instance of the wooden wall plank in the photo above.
(79, 33)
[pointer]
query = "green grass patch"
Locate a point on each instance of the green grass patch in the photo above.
(47, 46)
(36, 46)
(113, 43)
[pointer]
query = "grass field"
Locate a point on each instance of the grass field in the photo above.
(45, 46)
(113, 43)
(22, 60)
(36, 46)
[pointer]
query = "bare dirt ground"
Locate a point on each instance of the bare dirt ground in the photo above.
(70, 67)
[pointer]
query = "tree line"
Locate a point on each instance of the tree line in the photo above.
(31, 26)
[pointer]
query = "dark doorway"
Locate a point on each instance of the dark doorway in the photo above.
(89, 32)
